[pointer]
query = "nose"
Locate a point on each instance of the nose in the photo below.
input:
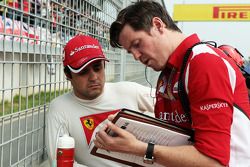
(136, 54)
(92, 75)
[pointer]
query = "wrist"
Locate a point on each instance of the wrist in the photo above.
(140, 148)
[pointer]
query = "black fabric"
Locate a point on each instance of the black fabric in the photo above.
(247, 77)
(150, 151)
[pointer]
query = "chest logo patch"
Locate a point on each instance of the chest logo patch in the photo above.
(89, 123)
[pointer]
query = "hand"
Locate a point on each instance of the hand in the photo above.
(123, 142)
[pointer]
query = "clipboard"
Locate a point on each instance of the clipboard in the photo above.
(146, 129)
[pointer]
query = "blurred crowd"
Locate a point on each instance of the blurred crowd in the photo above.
(47, 21)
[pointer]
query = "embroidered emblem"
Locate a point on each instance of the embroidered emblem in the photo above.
(89, 123)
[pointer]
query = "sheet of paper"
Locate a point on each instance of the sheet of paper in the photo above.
(146, 133)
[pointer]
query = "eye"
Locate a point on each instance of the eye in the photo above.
(84, 72)
(97, 67)
(136, 44)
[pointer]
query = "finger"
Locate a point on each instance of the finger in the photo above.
(111, 117)
(98, 145)
(103, 127)
(116, 130)
(99, 141)
(99, 138)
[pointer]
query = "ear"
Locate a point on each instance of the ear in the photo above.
(158, 24)
(68, 75)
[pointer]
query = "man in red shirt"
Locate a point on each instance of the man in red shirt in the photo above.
(216, 91)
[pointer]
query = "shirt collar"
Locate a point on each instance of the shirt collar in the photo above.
(176, 58)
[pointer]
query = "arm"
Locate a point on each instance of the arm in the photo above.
(55, 127)
(145, 97)
(52, 129)
(183, 156)
(210, 92)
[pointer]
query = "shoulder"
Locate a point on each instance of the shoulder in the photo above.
(126, 88)
(60, 103)
(203, 51)
(207, 57)
(126, 85)
(62, 98)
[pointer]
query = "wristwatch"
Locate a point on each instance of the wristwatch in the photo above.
(148, 157)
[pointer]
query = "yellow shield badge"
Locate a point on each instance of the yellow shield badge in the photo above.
(89, 123)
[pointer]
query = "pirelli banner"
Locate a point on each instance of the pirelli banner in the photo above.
(211, 12)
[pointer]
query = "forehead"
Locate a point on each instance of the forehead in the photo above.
(94, 63)
(126, 37)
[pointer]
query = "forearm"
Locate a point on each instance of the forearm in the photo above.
(178, 156)
(183, 156)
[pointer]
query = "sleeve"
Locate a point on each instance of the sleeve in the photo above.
(145, 98)
(56, 125)
(211, 101)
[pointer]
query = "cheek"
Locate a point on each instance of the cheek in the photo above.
(78, 82)
(102, 75)
(153, 54)
(149, 49)
(159, 54)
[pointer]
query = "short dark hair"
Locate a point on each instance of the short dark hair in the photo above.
(139, 16)
(67, 72)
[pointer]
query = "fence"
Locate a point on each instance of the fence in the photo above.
(32, 36)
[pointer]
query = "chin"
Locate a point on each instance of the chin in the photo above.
(92, 97)
(157, 69)
(95, 94)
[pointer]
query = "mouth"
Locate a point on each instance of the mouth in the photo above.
(147, 63)
(93, 86)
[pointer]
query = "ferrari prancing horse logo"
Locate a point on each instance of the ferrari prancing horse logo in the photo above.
(89, 123)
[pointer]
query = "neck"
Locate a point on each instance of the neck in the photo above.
(174, 39)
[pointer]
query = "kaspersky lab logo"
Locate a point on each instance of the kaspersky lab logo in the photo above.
(78, 49)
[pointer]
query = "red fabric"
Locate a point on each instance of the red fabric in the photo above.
(25, 6)
(210, 95)
(14, 4)
(90, 122)
(212, 126)
(82, 49)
